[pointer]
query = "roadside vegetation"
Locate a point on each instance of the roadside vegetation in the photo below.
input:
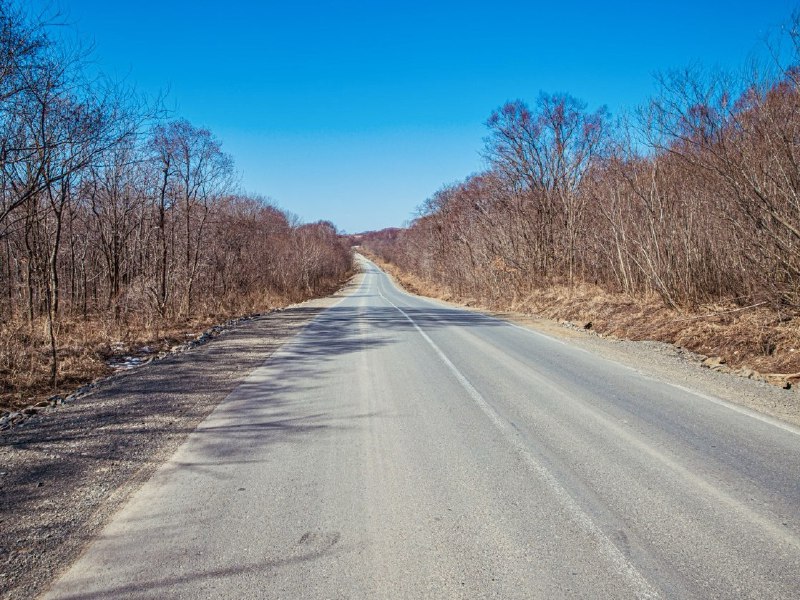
(679, 223)
(122, 227)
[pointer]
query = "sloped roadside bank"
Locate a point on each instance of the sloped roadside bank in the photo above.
(667, 362)
(64, 473)
(121, 362)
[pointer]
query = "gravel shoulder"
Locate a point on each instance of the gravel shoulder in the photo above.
(672, 364)
(66, 470)
(664, 362)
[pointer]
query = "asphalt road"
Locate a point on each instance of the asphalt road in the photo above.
(401, 448)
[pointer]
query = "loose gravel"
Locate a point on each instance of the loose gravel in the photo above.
(676, 365)
(66, 467)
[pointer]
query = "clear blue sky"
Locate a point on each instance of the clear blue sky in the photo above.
(356, 112)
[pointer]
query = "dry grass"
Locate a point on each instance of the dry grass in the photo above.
(86, 345)
(755, 338)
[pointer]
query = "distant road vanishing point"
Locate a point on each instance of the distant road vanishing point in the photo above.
(402, 448)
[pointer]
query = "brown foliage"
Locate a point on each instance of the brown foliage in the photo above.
(755, 338)
(693, 209)
(117, 226)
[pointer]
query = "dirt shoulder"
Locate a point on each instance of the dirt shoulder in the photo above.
(676, 365)
(65, 470)
(663, 361)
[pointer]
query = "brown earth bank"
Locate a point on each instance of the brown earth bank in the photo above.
(96, 346)
(65, 470)
(757, 342)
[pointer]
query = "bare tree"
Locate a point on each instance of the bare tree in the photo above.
(546, 154)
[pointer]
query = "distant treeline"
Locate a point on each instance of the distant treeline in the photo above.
(695, 198)
(108, 210)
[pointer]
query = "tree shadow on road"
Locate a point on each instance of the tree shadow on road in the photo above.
(97, 450)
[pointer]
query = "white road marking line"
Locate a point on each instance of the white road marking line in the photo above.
(750, 514)
(718, 401)
(736, 408)
(623, 565)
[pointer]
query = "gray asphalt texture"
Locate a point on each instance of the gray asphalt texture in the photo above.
(402, 448)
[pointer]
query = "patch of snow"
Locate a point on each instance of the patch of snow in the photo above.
(126, 363)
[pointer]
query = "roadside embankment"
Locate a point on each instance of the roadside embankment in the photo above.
(94, 346)
(755, 342)
(66, 469)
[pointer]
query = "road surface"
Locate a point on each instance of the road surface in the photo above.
(401, 448)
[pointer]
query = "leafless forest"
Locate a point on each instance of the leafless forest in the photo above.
(119, 224)
(692, 201)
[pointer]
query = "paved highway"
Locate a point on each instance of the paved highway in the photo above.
(401, 448)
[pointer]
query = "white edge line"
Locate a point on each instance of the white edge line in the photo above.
(737, 408)
(714, 399)
(613, 553)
